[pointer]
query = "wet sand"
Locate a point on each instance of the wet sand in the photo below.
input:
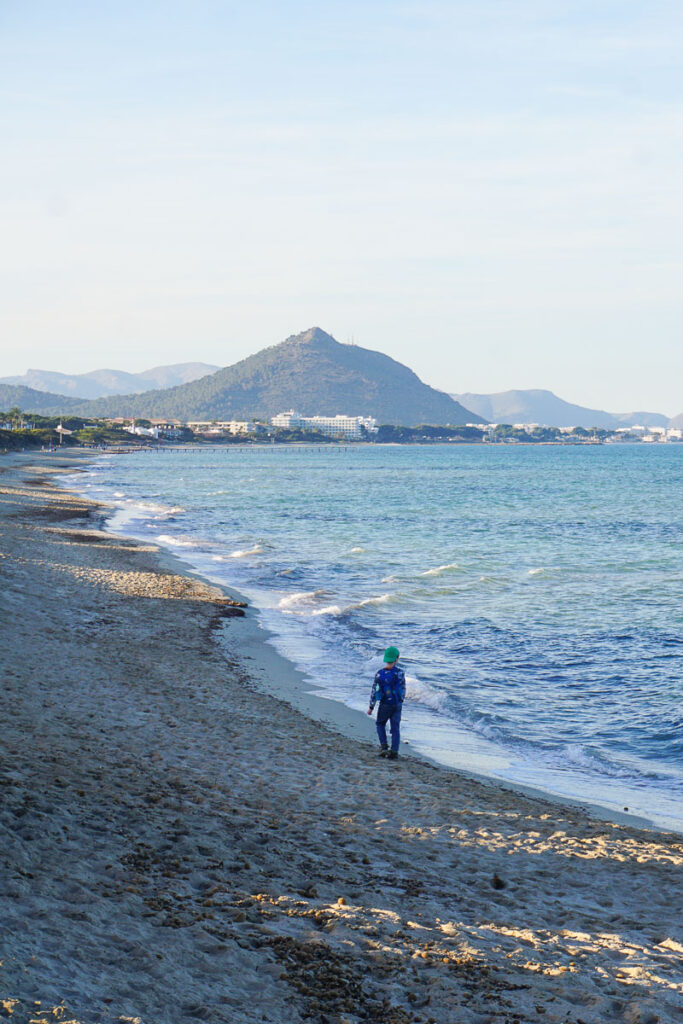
(178, 845)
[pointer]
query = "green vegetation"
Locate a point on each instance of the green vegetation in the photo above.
(15, 440)
(44, 402)
(506, 432)
(310, 372)
(426, 433)
(283, 436)
(29, 430)
(99, 434)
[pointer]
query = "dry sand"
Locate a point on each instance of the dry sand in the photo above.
(176, 845)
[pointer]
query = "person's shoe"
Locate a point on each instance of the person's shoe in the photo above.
(393, 755)
(384, 752)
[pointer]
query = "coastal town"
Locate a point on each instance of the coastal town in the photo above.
(19, 429)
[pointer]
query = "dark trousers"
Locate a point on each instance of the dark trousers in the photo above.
(389, 713)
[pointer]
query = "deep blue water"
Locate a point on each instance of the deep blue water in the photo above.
(536, 593)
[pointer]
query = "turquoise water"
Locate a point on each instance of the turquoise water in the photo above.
(535, 592)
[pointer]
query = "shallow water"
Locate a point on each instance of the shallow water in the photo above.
(535, 592)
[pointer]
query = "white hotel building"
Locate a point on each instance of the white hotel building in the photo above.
(349, 427)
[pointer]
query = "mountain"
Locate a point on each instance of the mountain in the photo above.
(676, 421)
(309, 372)
(642, 419)
(98, 383)
(29, 400)
(538, 406)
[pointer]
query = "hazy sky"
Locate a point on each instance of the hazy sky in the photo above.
(490, 192)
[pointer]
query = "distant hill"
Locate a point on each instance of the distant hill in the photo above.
(29, 400)
(676, 421)
(309, 372)
(643, 419)
(99, 383)
(539, 406)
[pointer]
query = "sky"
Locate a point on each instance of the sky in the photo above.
(489, 192)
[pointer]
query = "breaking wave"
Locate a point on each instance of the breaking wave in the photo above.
(338, 611)
(176, 542)
(423, 693)
(440, 569)
(243, 553)
(297, 603)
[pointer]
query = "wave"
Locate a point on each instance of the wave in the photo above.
(382, 599)
(536, 572)
(332, 609)
(256, 550)
(152, 509)
(356, 551)
(440, 569)
(176, 542)
(336, 610)
(423, 693)
(581, 756)
(295, 601)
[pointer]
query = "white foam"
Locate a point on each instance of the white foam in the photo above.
(389, 579)
(176, 542)
(423, 693)
(536, 572)
(149, 507)
(335, 609)
(256, 550)
(580, 756)
(356, 551)
(167, 513)
(382, 599)
(331, 609)
(294, 602)
(440, 569)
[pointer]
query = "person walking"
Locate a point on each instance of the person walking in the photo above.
(389, 688)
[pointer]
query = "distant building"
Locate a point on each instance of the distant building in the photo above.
(214, 428)
(352, 428)
(170, 430)
(241, 427)
(289, 420)
(143, 431)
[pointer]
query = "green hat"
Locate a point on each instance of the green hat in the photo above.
(390, 655)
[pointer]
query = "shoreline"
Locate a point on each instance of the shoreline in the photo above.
(179, 846)
(299, 690)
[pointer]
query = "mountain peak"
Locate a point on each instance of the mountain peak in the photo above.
(312, 336)
(311, 372)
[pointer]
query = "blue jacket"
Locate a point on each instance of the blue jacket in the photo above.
(389, 687)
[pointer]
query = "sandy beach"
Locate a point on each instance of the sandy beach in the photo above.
(177, 844)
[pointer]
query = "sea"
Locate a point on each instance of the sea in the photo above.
(535, 592)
